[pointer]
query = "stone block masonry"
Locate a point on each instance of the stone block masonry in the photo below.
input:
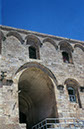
(41, 76)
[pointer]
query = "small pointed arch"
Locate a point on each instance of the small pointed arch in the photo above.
(72, 86)
(50, 41)
(34, 43)
(33, 40)
(66, 46)
(71, 81)
(17, 35)
(67, 50)
(80, 46)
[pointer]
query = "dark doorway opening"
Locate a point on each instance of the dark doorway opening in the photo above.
(22, 117)
(36, 97)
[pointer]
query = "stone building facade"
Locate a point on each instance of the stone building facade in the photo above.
(41, 76)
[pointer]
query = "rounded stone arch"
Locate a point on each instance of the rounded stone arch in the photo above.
(15, 34)
(34, 44)
(40, 66)
(65, 46)
(50, 41)
(79, 46)
(67, 50)
(73, 83)
(36, 92)
(33, 40)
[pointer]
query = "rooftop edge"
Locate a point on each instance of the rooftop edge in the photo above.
(7, 28)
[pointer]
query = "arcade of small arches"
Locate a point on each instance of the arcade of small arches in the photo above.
(34, 44)
(37, 87)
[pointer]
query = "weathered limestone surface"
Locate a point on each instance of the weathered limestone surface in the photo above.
(15, 53)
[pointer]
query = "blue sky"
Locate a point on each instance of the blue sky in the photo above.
(63, 18)
(0, 12)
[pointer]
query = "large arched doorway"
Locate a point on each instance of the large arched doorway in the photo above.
(36, 96)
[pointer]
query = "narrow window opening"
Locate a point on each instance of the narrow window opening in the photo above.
(65, 57)
(82, 89)
(71, 93)
(32, 52)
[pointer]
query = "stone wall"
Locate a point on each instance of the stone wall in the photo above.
(15, 44)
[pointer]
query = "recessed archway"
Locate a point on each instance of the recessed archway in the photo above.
(15, 34)
(72, 83)
(36, 96)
